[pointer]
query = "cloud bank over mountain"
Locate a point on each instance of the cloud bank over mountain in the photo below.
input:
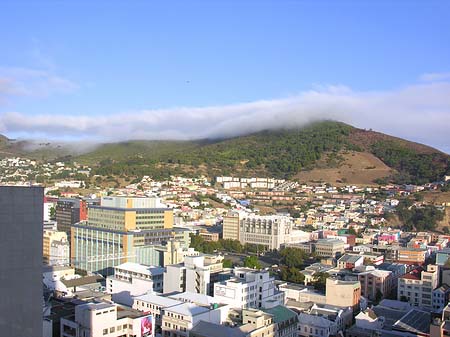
(419, 112)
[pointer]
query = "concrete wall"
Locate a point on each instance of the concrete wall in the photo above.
(21, 217)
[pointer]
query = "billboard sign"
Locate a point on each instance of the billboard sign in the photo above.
(147, 326)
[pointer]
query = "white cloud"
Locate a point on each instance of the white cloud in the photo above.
(32, 82)
(419, 112)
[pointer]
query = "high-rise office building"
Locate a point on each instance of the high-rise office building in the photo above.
(21, 214)
(121, 229)
(69, 212)
(231, 226)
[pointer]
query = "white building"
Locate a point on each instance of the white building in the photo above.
(47, 210)
(440, 297)
(270, 231)
(249, 288)
(417, 286)
(105, 319)
(133, 279)
(59, 253)
(177, 314)
(197, 274)
(316, 326)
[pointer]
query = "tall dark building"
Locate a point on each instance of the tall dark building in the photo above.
(69, 212)
(21, 216)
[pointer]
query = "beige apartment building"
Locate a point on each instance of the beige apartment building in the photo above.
(343, 293)
(231, 226)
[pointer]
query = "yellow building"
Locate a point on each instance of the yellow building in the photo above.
(121, 229)
(50, 237)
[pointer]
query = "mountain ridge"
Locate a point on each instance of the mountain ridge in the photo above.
(279, 153)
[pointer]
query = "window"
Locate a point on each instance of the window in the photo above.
(105, 331)
(111, 330)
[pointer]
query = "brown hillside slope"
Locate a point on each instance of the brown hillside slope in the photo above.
(357, 168)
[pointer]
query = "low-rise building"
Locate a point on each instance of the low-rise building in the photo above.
(249, 288)
(343, 293)
(329, 247)
(376, 284)
(350, 261)
(254, 323)
(197, 274)
(133, 279)
(412, 255)
(105, 319)
(441, 297)
(176, 314)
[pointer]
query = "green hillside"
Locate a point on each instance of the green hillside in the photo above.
(277, 153)
(280, 153)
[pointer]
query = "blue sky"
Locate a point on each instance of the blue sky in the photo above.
(211, 68)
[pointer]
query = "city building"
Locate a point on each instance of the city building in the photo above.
(231, 226)
(285, 320)
(417, 286)
(317, 326)
(442, 256)
(343, 293)
(253, 323)
(106, 319)
(350, 261)
(441, 297)
(176, 314)
(196, 274)
(377, 284)
(21, 214)
(121, 229)
(133, 279)
(249, 288)
(269, 231)
(412, 255)
(55, 248)
(209, 236)
(329, 247)
(68, 212)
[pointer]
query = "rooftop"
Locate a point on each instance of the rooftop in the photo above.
(140, 268)
(314, 320)
(350, 258)
(415, 321)
(191, 297)
(187, 309)
(159, 300)
(414, 274)
(281, 313)
(83, 281)
(217, 330)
